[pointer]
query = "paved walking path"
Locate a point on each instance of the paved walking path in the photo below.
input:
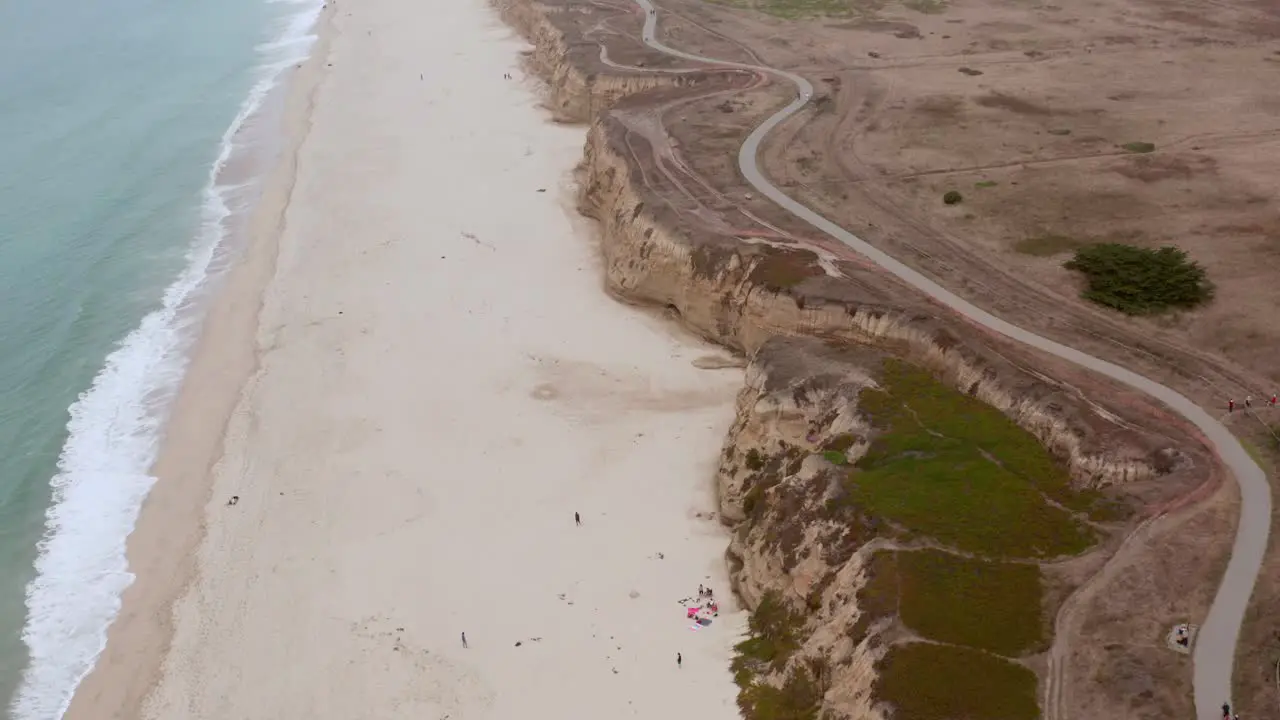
(1216, 644)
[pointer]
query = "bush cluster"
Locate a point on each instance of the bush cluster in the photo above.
(1141, 281)
(773, 636)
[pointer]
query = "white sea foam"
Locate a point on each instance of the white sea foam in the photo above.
(103, 471)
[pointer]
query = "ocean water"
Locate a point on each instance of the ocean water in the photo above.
(116, 119)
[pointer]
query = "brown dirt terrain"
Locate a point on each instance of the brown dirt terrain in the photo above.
(1047, 96)
(1060, 90)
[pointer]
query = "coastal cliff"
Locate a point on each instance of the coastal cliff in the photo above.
(740, 295)
(856, 387)
(573, 95)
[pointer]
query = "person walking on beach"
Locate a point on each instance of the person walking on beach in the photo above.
(577, 519)
(464, 641)
(679, 660)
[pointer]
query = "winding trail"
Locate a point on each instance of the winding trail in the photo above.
(1220, 630)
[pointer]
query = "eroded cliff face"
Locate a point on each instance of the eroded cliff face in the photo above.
(573, 94)
(792, 539)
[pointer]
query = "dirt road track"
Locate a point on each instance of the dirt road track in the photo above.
(1215, 647)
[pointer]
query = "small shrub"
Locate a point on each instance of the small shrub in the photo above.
(1060, 131)
(771, 635)
(835, 457)
(970, 71)
(1139, 281)
(799, 698)
(985, 184)
(952, 197)
(754, 460)
(841, 442)
(1139, 147)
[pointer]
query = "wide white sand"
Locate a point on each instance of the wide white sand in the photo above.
(442, 384)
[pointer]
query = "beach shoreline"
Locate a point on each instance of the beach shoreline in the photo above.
(171, 522)
(160, 655)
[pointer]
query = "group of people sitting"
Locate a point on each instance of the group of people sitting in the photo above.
(712, 606)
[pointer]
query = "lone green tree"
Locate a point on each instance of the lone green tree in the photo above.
(1141, 281)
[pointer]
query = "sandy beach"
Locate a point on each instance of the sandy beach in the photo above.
(436, 383)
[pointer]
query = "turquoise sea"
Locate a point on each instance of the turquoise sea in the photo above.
(116, 119)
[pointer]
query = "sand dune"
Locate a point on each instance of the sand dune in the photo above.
(442, 383)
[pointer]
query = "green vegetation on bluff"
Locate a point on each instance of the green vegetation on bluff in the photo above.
(952, 468)
(992, 606)
(944, 467)
(947, 598)
(799, 698)
(924, 681)
(1141, 281)
(773, 632)
(948, 467)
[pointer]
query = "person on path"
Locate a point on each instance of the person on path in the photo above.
(1248, 401)
(679, 660)
(464, 640)
(1226, 711)
(577, 519)
(1273, 399)
(1231, 407)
